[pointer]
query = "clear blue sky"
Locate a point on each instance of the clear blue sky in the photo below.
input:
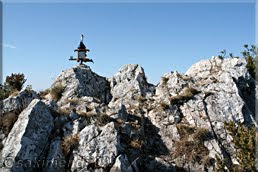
(162, 37)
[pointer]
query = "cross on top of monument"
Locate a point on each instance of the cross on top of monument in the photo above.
(81, 53)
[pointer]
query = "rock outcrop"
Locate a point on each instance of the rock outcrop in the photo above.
(10, 109)
(80, 81)
(124, 123)
(28, 138)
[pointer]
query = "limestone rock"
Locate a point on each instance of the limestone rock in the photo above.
(121, 164)
(80, 81)
(128, 85)
(96, 149)
(28, 138)
(126, 124)
(55, 158)
(17, 103)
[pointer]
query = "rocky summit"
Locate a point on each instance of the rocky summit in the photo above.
(87, 122)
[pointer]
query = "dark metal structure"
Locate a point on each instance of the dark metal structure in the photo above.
(82, 53)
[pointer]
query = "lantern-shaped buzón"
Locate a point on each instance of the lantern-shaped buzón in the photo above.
(82, 53)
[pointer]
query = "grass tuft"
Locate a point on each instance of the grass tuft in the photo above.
(56, 92)
(69, 142)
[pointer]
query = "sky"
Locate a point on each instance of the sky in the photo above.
(39, 38)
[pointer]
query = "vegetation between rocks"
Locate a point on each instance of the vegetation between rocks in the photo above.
(186, 94)
(56, 92)
(12, 85)
(249, 53)
(69, 142)
(7, 121)
(191, 144)
(244, 141)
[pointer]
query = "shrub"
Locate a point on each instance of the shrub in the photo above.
(250, 54)
(69, 142)
(251, 66)
(56, 92)
(12, 84)
(15, 81)
(223, 54)
(244, 141)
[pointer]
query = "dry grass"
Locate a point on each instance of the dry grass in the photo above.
(69, 142)
(103, 119)
(42, 94)
(56, 92)
(14, 93)
(191, 144)
(186, 94)
(135, 126)
(164, 80)
(89, 112)
(142, 99)
(202, 134)
(119, 121)
(73, 101)
(7, 121)
(65, 111)
(192, 151)
(183, 77)
(185, 130)
(136, 143)
(164, 105)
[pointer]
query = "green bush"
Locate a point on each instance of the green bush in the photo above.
(15, 81)
(244, 141)
(250, 54)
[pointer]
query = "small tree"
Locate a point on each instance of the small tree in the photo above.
(250, 54)
(223, 54)
(12, 83)
(15, 81)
